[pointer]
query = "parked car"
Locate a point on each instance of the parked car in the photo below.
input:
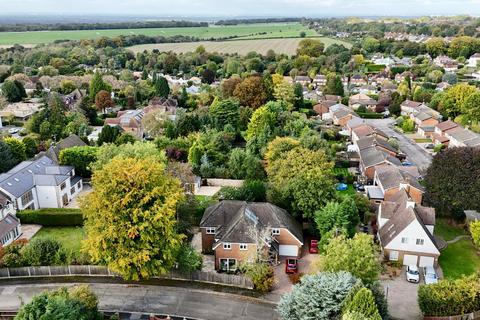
(430, 275)
(291, 266)
(412, 274)
(407, 164)
(13, 130)
(429, 146)
(313, 246)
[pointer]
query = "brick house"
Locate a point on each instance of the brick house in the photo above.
(228, 228)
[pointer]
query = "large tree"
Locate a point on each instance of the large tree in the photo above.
(301, 180)
(358, 255)
(251, 92)
(96, 85)
(130, 217)
(81, 158)
(310, 47)
(334, 85)
(225, 112)
(320, 296)
(13, 91)
(340, 216)
(7, 156)
(103, 100)
(452, 182)
(162, 88)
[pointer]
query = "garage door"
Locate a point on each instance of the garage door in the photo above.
(409, 260)
(288, 251)
(426, 261)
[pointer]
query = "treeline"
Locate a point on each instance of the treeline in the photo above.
(234, 22)
(99, 26)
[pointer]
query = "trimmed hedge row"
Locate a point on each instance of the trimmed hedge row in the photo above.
(52, 217)
(450, 297)
(370, 115)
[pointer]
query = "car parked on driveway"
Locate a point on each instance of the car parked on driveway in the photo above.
(430, 276)
(412, 274)
(291, 266)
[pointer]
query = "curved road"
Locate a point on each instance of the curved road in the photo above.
(415, 154)
(201, 304)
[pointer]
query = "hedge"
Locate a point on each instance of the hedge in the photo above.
(52, 217)
(370, 115)
(450, 297)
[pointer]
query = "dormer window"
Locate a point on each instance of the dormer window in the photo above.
(210, 230)
(275, 231)
(227, 246)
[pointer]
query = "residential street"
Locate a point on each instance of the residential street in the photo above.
(199, 304)
(415, 154)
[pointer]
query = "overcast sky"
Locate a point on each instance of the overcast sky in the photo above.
(215, 8)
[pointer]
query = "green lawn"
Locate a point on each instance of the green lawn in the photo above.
(423, 140)
(70, 237)
(247, 31)
(458, 259)
(448, 231)
(342, 171)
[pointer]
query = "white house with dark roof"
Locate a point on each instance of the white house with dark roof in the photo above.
(10, 228)
(40, 183)
(406, 231)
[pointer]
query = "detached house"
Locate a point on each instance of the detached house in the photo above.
(406, 231)
(441, 129)
(230, 229)
(129, 121)
(39, 184)
(10, 228)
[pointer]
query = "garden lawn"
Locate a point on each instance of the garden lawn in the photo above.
(70, 237)
(422, 140)
(448, 231)
(459, 258)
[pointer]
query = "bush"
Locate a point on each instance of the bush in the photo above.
(61, 217)
(450, 297)
(188, 259)
(43, 252)
(370, 115)
(262, 276)
(363, 302)
(10, 255)
(438, 148)
(251, 191)
(475, 232)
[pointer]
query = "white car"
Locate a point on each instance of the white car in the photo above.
(13, 130)
(430, 275)
(412, 274)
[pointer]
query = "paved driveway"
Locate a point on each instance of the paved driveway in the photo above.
(402, 298)
(200, 304)
(415, 153)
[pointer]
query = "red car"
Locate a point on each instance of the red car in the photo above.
(291, 266)
(313, 246)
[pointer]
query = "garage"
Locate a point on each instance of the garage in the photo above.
(409, 260)
(426, 261)
(288, 251)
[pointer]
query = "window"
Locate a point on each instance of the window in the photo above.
(275, 231)
(405, 240)
(79, 184)
(63, 186)
(227, 246)
(393, 256)
(228, 264)
(27, 197)
(420, 242)
(210, 231)
(72, 190)
(243, 246)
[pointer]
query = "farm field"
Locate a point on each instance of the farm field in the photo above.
(265, 30)
(242, 47)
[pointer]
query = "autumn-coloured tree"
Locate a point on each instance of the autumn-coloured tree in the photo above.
(130, 217)
(251, 92)
(103, 100)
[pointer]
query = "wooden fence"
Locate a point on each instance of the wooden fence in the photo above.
(101, 271)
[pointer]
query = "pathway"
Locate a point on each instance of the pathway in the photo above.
(202, 304)
(458, 238)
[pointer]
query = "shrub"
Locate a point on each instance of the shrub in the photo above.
(43, 252)
(188, 259)
(252, 191)
(262, 276)
(10, 255)
(61, 217)
(450, 297)
(363, 302)
(370, 115)
(475, 232)
(438, 148)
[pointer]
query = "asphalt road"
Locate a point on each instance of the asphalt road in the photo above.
(201, 304)
(415, 154)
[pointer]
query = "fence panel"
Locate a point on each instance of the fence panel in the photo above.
(200, 276)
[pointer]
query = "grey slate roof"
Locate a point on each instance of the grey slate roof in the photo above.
(232, 220)
(8, 224)
(25, 175)
(371, 157)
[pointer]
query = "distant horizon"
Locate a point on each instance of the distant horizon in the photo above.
(194, 9)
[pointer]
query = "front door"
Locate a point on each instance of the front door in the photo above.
(65, 199)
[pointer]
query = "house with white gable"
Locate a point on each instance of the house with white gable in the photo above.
(406, 231)
(10, 228)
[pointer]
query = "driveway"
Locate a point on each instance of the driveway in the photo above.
(201, 304)
(415, 153)
(74, 204)
(402, 298)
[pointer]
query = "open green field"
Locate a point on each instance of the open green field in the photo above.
(249, 31)
(242, 47)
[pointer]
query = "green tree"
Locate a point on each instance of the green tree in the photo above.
(42, 251)
(475, 232)
(81, 158)
(130, 218)
(279, 147)
(302, 181)
(18, 149)
(285, 92)
(370, 44)
(161, 86)
(435, 47)
(13, 91)
(31, 147)
(96, 85)
(318, 296)
(108, 135)
(334, 85)
(225, 112)
(243, 164)
(251, 92)
(8, 158)
(310, 47)
(341, 216)
(358, 255)
(363, 303)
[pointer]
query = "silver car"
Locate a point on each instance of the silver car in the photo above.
(430, 275)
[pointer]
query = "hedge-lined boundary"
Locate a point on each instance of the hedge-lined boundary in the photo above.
(368, 115)
(52, 217)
